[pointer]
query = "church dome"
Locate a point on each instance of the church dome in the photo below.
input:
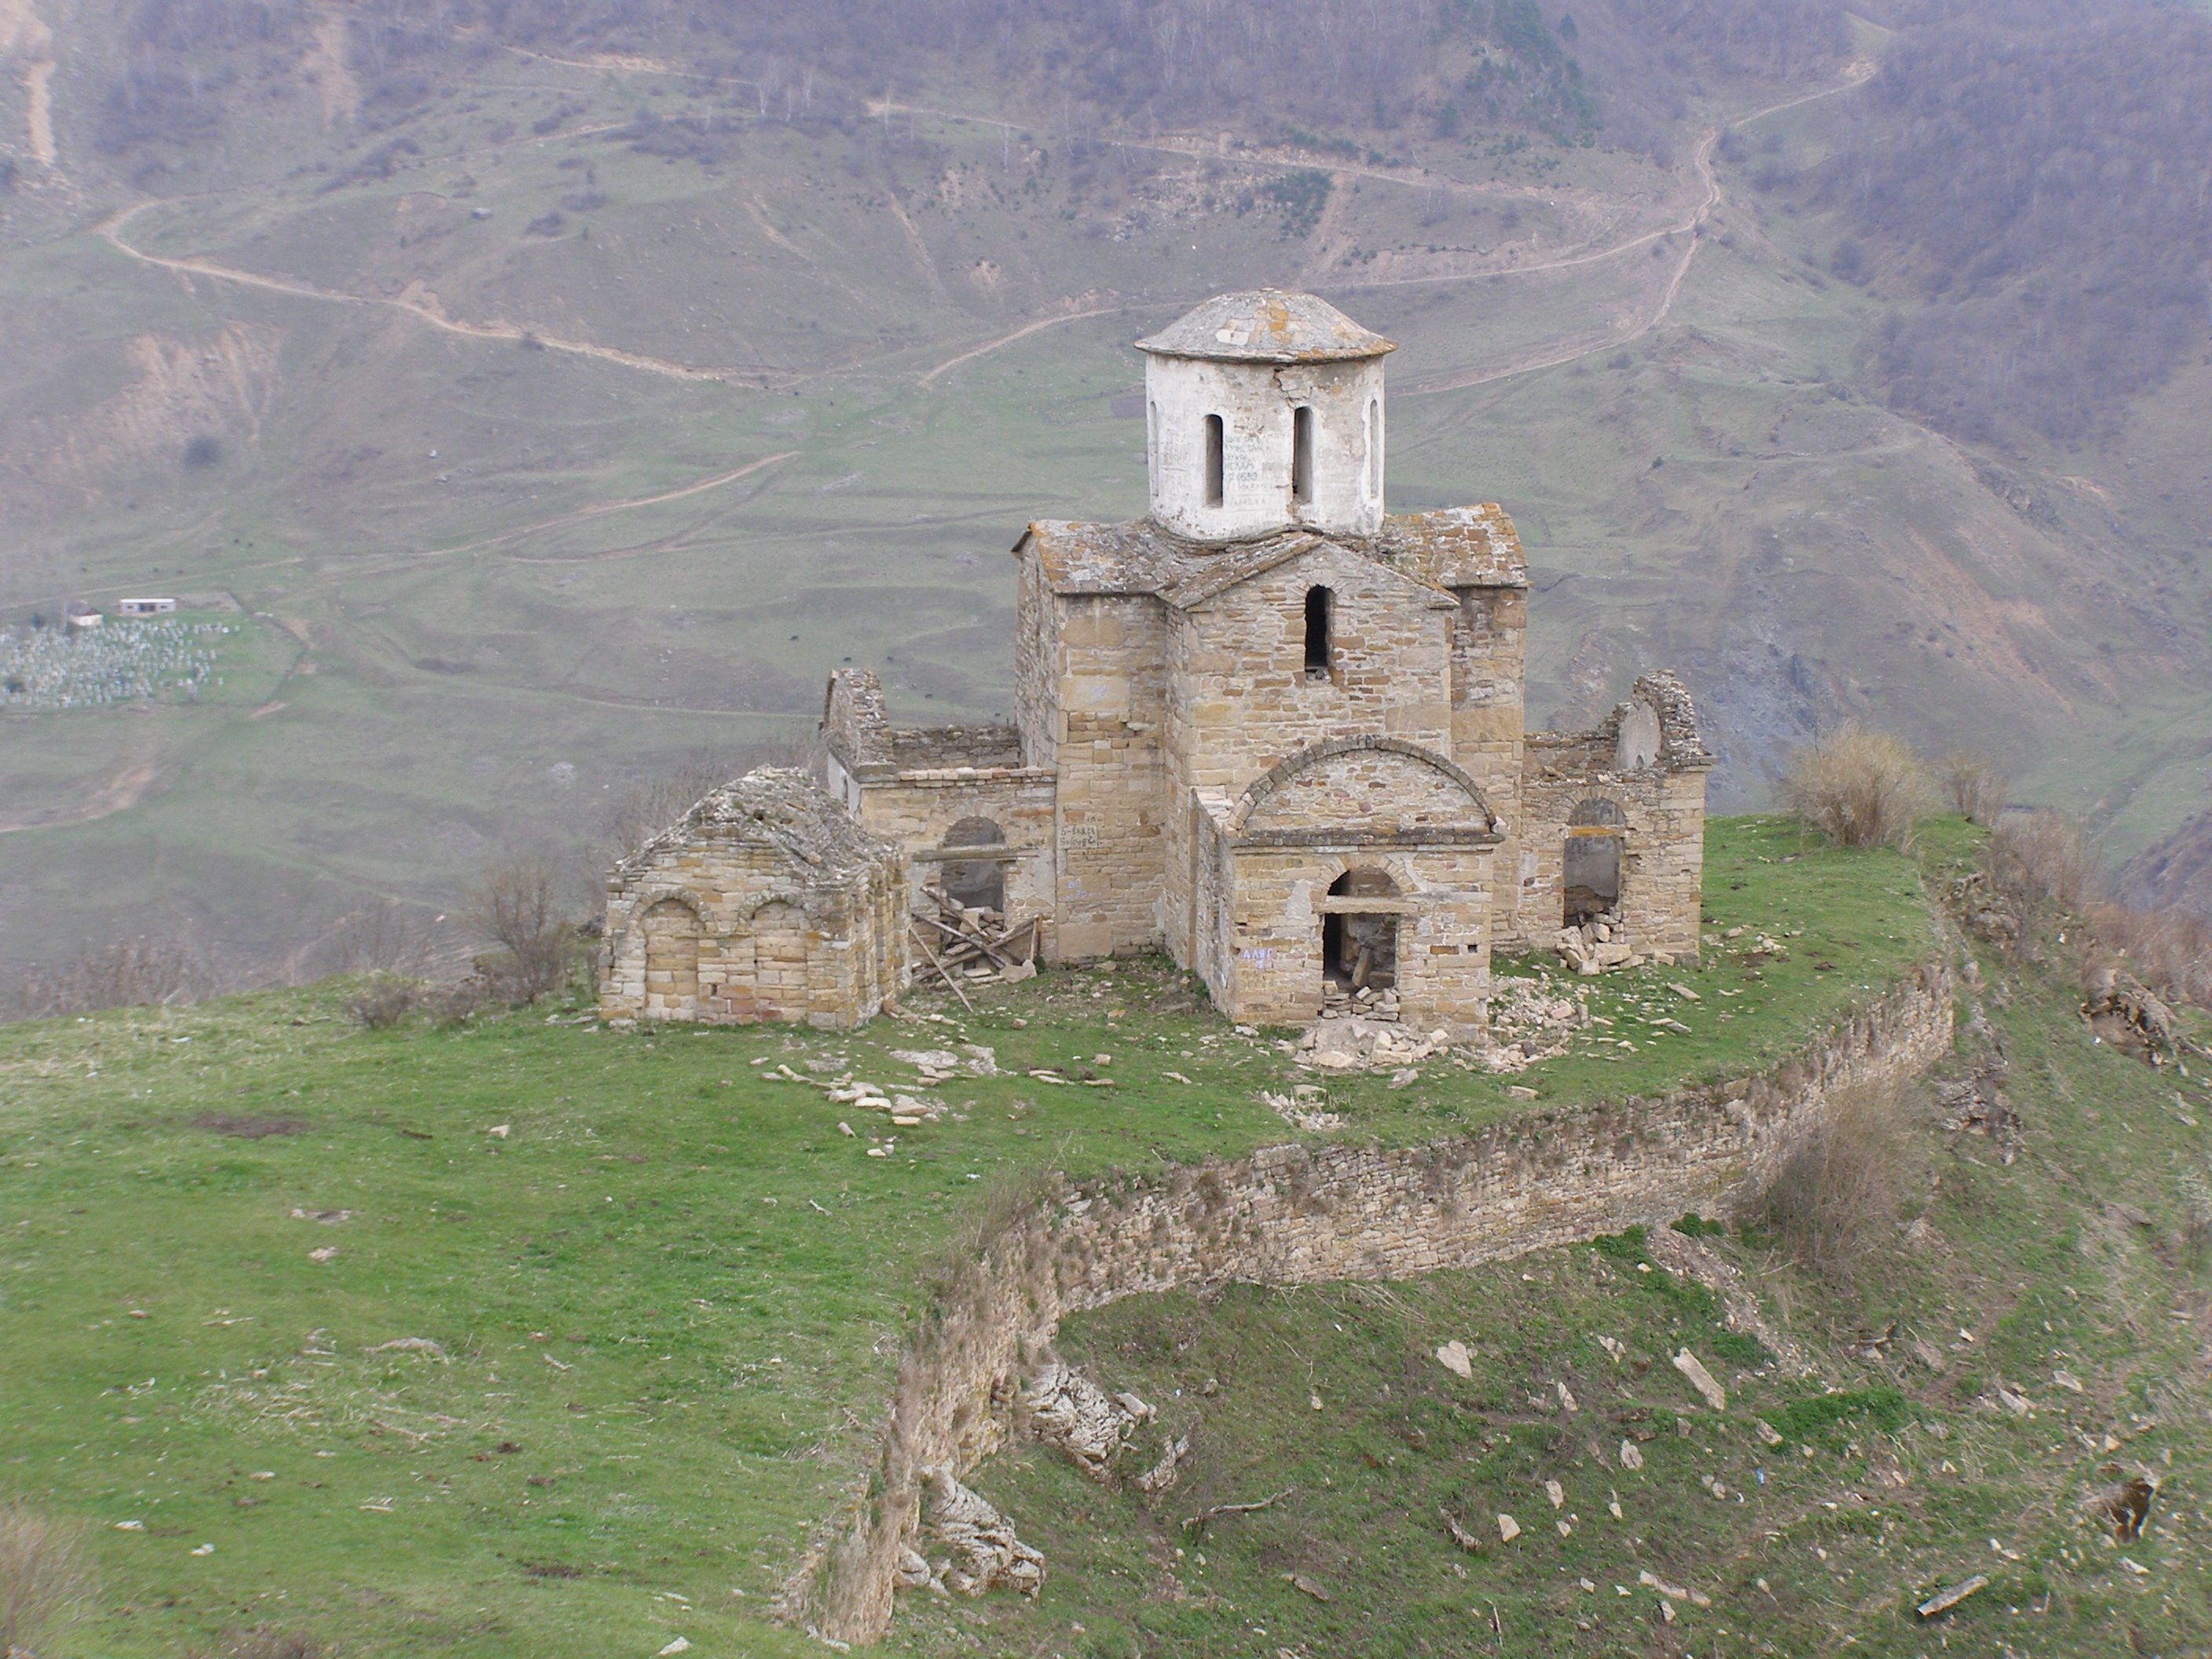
(1266, 325)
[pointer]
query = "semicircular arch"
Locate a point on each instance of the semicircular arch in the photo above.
(1321, 754)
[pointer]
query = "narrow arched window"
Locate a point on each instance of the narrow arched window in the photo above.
(1374, 448)
(1317, 609)
(1213, 463)
(1302, 448)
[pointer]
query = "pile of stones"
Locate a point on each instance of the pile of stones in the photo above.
(1601, 942)
(1338, 1002)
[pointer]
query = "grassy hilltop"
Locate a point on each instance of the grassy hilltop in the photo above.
(667, 1302)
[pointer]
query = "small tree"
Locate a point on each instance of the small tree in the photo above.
(42, 1575)
(1859, 788)
(1975, 788)
(1836, 1197)
(517, 906)
(125, 974)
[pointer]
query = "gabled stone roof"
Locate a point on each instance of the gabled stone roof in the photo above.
(784, 809)
(1266, 325)
(1455, 547)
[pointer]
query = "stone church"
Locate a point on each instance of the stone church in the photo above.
(1270, 729)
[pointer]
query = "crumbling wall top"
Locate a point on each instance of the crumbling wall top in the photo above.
(783, 809)
(934, 748)
(853, 723)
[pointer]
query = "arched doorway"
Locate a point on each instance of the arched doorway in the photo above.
(976, 884)
(1358, 949)
(671, 961)
(1590, 865)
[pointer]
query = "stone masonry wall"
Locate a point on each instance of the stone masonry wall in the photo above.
(1276, 904)
(1299, 1215)
(1242, 702)
(1108, 718)
(1487, 718)
(916, 809)
(1663, 848)
(713, 932)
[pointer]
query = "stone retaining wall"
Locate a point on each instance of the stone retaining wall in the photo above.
(1304, 1215)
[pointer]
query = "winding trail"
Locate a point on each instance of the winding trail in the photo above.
(111, 230)
(1565, 350)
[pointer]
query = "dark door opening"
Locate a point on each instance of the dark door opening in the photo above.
(1590, 865)
(1359, 950)
(976, 884)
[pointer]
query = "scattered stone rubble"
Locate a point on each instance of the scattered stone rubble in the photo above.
(1340, 1001)
(1977, 1105)
(1600, 943)
(1346, 1044)
(2122, 1011)
(1065, 1408)
(985, 1552)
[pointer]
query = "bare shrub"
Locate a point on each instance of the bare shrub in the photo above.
(2044, 857)
(456, 1004)
(43, 1576)
(2170, 951)
(644, 810)
(1859, 788)
(383, 1001)
(1973, 784)
(2195, 1217)
(517, 906)
(128, 973)
(1838, 1196)
(386, 937)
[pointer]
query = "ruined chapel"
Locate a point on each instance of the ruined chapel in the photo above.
(1269, 728)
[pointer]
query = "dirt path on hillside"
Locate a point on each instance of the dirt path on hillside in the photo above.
(1566, 349)
(423, 309)
(601, 508)
(122, 789)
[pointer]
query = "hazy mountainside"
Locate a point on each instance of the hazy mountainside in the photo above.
(552, 398)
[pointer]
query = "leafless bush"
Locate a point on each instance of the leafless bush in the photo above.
(1859, 788)
(456, 1004)
(2170, 951)
(1973, 785)
(2044, 857)
(127, 974)
(1838, 1196)
(643, 811)
(517, 906)
(2195, 1217)
(382, 937)
(383, 1001)
(43, 1575)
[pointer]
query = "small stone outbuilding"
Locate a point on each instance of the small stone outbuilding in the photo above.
(766, 902)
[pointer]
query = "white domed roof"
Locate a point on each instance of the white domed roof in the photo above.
(1266, 325)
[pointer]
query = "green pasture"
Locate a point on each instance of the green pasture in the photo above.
(675, 1290)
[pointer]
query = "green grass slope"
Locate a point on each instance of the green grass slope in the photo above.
(2033, 1339)
(667, 1304)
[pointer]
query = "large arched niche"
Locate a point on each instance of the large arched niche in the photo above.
(1378, 783)
(671, 930)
